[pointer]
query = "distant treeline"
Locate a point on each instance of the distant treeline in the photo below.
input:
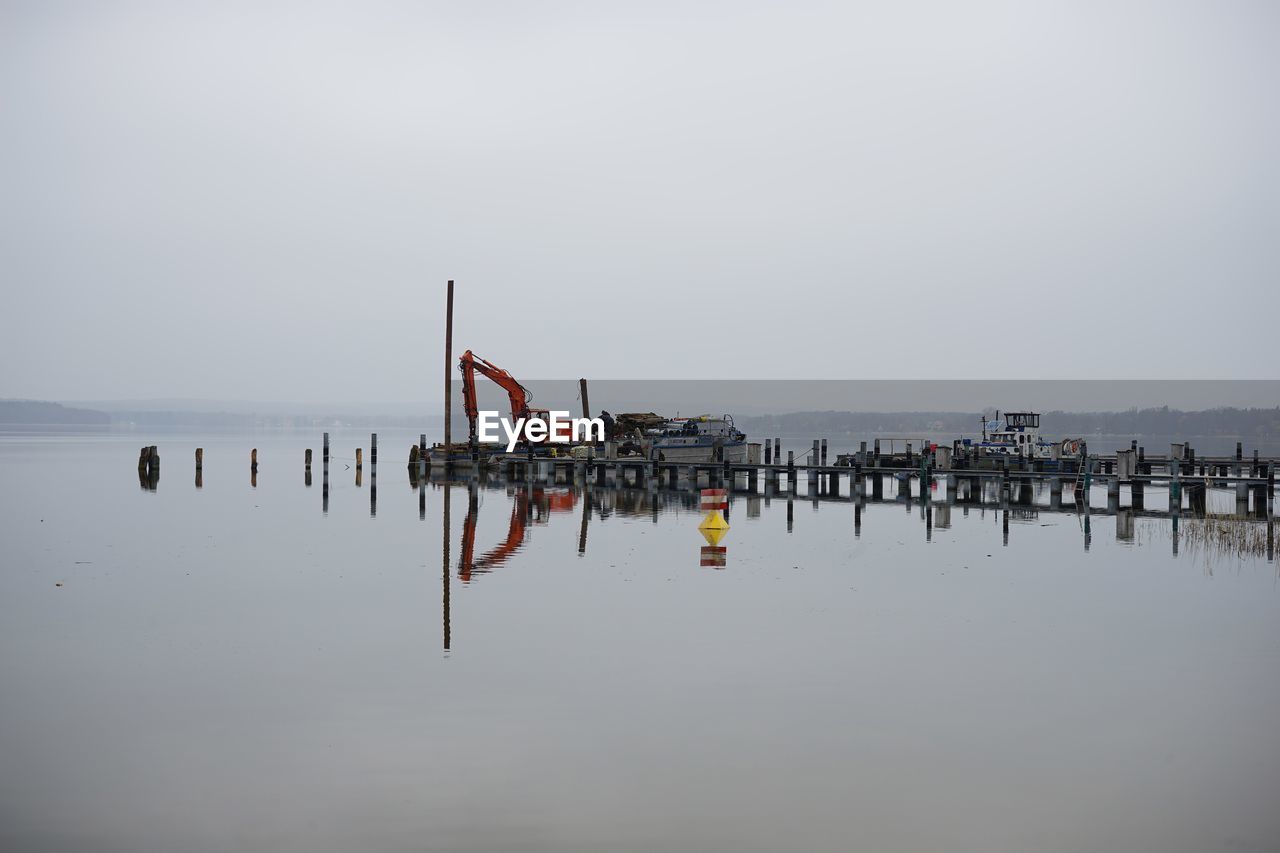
(36, 413)
(241, 420)
(1259, 423)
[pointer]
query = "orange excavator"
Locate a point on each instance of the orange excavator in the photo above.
(470, 364)
(534, 506)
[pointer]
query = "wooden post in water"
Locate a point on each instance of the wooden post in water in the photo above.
(199, 458)
(582, 389)
(373, 454)
(824, 452)
(448, 374)
(359, 458)
(253, 460)
(306, 459)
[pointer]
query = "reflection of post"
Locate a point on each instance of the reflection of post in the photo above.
(791, 511)
(1005, 524)
(1175, 535)
(586, 507)
(422, 498)
(857, 520)
(444, 571)
(1271, 537)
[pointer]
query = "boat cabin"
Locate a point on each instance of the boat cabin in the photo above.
(1019, 435)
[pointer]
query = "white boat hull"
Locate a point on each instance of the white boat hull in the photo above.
(700, 450)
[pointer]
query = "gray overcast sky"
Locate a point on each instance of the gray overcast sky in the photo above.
(253, 201)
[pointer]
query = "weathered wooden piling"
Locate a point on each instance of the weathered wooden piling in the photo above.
(359, 458)
(448, 376)
(199, 458)
(373, 454)
(582, 391)
(325, 457)
(253, 460)
(824, 451)
(306, 459)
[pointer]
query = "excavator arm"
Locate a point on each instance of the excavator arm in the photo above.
(470, 364)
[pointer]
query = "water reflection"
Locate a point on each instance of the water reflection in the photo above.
(530, 505)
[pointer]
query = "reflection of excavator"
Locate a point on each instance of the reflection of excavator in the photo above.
(469, 364)
(534, 506)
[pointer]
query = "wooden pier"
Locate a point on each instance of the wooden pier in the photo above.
(1187, 485)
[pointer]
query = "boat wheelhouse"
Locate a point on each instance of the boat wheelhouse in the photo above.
(1019, 435)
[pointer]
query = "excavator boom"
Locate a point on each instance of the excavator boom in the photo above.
(470, 364)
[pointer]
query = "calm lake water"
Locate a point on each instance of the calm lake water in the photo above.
(234, 668)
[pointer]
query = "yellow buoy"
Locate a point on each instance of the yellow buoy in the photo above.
(713, 535)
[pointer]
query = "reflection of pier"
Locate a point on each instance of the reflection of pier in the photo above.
(1016, 497)
(995, 487)
(1017, 500)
